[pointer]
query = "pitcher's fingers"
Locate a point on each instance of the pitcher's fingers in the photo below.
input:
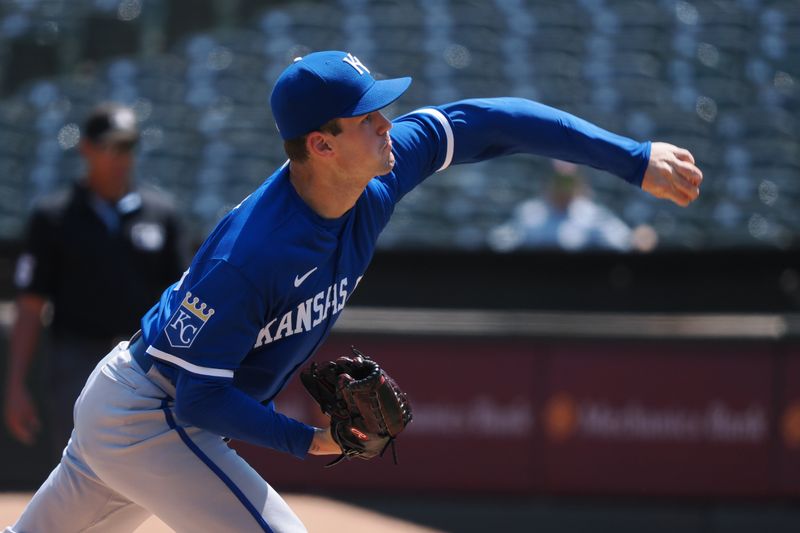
(678, 183)
(683, 154)
(683, 196)
(689, 172)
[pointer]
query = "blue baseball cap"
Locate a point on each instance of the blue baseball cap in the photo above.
(326, 85)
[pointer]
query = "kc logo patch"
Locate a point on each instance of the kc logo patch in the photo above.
(188, 320)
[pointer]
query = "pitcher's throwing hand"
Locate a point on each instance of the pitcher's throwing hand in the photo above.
(672, 174)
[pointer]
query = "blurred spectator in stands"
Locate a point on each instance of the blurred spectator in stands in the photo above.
(99, 252)
(567, 218)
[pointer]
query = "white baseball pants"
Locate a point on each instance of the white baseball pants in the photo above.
(129, 458)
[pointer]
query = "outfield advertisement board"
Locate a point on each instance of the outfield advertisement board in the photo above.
(788, 422)
(591, 417)
(643, 418)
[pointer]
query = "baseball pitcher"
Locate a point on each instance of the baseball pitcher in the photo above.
(265, 289)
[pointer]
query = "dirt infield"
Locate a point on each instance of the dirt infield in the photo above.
(320, 515)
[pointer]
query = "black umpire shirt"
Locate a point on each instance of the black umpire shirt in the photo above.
(102, 265)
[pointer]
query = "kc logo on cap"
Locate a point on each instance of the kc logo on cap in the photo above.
(354, 62)
(326, 85)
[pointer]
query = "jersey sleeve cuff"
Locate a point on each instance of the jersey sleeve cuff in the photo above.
(301, 441)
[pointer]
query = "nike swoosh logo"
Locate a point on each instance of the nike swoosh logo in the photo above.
(299, 280)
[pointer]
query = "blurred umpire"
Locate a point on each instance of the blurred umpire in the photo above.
(100, 252)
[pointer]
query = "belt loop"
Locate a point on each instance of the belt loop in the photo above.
(135, 337)
(137, 349)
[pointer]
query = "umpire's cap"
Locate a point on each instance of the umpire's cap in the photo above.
(111, 122)
(326, 85)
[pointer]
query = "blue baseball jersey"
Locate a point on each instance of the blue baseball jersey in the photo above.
(266, 287)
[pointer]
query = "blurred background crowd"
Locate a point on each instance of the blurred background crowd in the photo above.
(717, 76)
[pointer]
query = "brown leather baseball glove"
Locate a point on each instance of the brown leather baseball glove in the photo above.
(367, 408)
